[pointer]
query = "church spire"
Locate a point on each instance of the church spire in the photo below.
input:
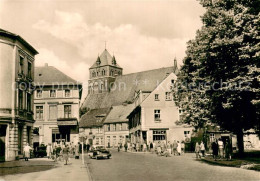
(98, 60)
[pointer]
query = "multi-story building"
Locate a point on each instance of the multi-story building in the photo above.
(16, 94)
(156, 114)
(116, 130)
(56, 106)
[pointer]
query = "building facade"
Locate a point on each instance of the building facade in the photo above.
(16, 91)
(116, 130)
(56, 106)
(156, 114)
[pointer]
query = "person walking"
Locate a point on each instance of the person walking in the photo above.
(221, 148)
(178, 148)
(182, 147)
(174, 147)
(77, 146)
(169, 150)
(151, 146)
(228, 150)
(197, 150)
(202, 149)
(49, 151)
(214, 147)
(27, 151)
(66, 154)
(144, 147)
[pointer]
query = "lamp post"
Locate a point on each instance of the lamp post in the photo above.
(82, 136)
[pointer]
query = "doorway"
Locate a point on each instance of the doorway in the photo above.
(2, 142)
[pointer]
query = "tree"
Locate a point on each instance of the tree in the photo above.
(219, 81)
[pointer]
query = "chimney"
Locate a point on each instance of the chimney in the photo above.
(46, 65)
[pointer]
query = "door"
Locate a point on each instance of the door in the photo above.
(2, 142)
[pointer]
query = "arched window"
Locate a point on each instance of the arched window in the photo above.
(93, 74)
(112, 72)
(103, 72)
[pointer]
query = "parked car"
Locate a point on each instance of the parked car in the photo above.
(99, 153)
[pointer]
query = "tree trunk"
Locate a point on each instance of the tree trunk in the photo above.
(240, 142)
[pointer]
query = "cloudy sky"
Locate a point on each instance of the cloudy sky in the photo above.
(69, 34)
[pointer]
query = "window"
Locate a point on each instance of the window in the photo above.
(120, 126)
(99, 130)
(112, 72)
(108, 141)
(157, 115)
(167, 96)
(39, 112)
(114, 127)
(156, 97)
(159, 135)
(20, 102)
(67, 111)
(93, 74)
(29, 102)
(52, 93)
(39, 93)
(53, 112)
(67, 93)
(103, 72)
(21, 62)
(211, 137)
(108, 127)
(186, 134)
(29, 70)
(97, 141)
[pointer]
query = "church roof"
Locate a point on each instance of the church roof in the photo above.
(125, 87)
(93, 118)
(49, 75)
(105, 59)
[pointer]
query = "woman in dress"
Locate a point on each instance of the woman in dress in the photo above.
(179, 148)
(27, 151)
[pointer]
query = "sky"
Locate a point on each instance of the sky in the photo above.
(70, 34)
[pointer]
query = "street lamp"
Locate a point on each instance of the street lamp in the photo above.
(82, 136)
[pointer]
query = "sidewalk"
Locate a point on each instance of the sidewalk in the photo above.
(73, 171)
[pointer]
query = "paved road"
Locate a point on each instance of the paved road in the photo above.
(142, 167)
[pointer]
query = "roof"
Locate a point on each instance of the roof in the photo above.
(105, 59)
(19, 38)
(49, 75)
(93, 118)
(119, 113)
(125, 87)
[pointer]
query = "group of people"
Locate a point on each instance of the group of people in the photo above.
(161, 148)
(221, 150)
(200, 149)
(57, 151)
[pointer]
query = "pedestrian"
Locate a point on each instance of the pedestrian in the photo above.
(169, 150)
(174, 147)
(118, 147)
(228, 150)
(66, 154)
(49, 151)
(27, 151)
(125, 147)
(214, 147)
(182, 147)
(159, 149)
(88, 146)
(151, 146)
(202, 149)
(178, 148)
(54, 153)
(197, 150)
(77, 146)
(145, 147)
(220, 148)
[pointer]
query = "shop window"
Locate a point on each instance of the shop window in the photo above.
(159, 135)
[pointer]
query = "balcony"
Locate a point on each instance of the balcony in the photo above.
(24, 114)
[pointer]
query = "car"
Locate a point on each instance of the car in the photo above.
(100, 153)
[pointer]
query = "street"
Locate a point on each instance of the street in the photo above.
(140, 167)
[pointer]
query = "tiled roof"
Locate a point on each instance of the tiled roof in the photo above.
(125, 87)
(19, 38)
(119, 113)
(49, 75)
(105, 59)
(93, 118)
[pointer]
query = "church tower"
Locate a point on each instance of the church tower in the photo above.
(103, 73)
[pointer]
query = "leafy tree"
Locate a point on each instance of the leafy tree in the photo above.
(219, 81)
